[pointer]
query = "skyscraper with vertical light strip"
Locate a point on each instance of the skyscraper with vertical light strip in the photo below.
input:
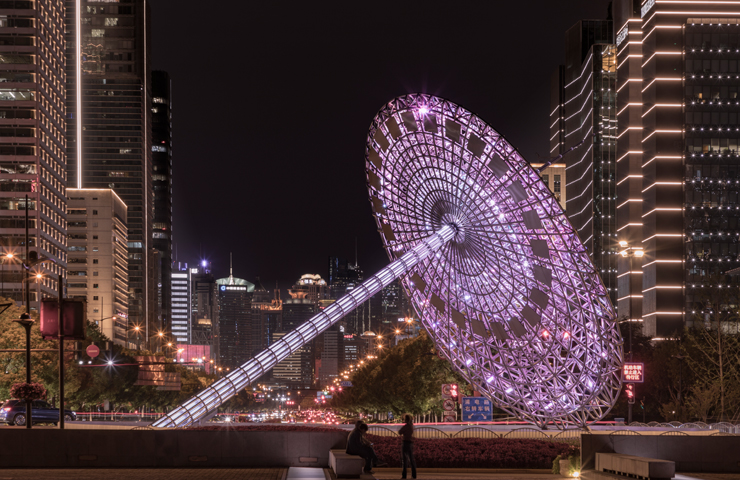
(109, 124)
(678, 173)
(583, 128)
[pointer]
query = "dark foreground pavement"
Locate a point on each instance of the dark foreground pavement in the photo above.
(146, 474)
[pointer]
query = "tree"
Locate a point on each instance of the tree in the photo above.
(702, 400)
(713, 348)
(406, 378)
(12, 336)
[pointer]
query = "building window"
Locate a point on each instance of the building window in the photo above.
(95, 285)
(111, 22)
(95, 249)
(96, 310)
(98, 32)
(95, 237)
(95, 261)
(95, 212)
(95, 274)
(95, 297)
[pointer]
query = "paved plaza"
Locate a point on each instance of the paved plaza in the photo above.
(297, 474)
(145, 474)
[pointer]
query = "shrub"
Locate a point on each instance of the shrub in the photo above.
(474, 452)
(27, 391)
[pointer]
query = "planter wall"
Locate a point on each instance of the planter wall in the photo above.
(46, 448)
(694, 453)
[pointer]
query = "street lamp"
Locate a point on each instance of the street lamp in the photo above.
(10, 256)
(630, 252)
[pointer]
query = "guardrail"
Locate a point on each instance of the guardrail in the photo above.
(117, 417)
(721, 427)
(566, 436)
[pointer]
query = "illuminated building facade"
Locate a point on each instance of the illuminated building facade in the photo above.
(678, 144)
(162, 188)
(97, 258)
(343, 277)
(331, 356)
(266, 318)
(291, 369)
(203, 306)
(32, 143)
(234, 297)
(582, 105)
(554, 178)
(109, 125)
(180, 305)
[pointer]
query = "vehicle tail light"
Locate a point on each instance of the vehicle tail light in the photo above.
(7, 409)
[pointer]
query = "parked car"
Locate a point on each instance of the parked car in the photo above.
(13, 412)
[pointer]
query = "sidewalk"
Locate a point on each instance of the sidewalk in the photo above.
(146, 474)
(468, 473)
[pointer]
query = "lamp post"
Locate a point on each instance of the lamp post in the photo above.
(26, 322)
(630, 252)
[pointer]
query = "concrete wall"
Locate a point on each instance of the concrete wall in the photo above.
(165, 448)
(691, 453)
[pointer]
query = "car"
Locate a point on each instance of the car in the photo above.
(13, 412)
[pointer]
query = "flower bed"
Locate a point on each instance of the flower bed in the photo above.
(266, 428)
(474, 452)
(27, 391)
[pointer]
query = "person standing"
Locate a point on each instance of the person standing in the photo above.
(407, 447)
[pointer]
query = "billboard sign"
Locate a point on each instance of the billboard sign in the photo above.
(477, 409)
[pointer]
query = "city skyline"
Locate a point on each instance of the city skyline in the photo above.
(337, 84)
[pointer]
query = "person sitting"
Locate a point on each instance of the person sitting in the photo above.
(358, 444)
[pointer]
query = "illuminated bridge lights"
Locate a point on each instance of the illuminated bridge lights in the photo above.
(497, 275)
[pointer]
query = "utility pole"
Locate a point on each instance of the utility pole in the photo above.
(61, 350)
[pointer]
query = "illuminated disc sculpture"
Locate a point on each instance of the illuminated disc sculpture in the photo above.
(495, 272)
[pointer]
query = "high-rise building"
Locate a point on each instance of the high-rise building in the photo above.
(331, 355)
(554, 177)
(583, 109)
(290, 370)
(97, 258)
(296, 310)
(109, 142)
(234, 315)
(678, 171)
(343, 276)
(32, 153)
(162, 187)
(266, 318)
(203, 306)
(180, 306)
(355, 349)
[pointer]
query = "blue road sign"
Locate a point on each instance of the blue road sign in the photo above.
(476, 409)
(345, 383)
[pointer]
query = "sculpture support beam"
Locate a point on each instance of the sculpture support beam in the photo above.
(222, 390)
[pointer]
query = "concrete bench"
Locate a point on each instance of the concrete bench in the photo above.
(640, 467)
(346, 465)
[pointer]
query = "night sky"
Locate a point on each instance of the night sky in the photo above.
(272, 102)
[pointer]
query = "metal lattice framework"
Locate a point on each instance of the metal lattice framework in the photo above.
(494, 270)
(513, 301)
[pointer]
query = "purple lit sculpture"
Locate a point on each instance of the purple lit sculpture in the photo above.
(494, 270)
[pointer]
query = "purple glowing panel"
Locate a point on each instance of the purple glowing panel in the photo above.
(513, 300)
